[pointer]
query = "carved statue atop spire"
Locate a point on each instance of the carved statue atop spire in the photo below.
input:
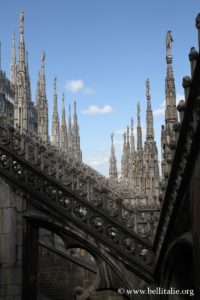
(112, 136)
(147, 88)
(42, 61)
(75, 108)
(169, 41)
(138, 112)
(54, 83)
(113, 162)
(63, 101)
(43, 56)
(21, 22)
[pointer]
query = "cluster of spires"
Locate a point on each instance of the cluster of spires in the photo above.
(33, 117)
(140, 165)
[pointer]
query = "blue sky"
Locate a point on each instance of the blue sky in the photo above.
(101, 52)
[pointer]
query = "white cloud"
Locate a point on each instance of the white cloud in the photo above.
(76, 86)
(160, 111)
(95, 110)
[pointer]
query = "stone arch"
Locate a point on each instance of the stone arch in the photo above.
(178, 270)
(120, 277)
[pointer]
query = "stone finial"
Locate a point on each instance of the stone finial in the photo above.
(186, 85)
(193, 56)
(198, 27)
(181, 108)
(138, 111)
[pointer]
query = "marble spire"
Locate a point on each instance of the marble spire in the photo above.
(139, 129)
(21, 59)
(55, 128)
(76, 136)
(63, 131)
(42, 103)
(149, 114)
(112, 162)
(132, 138)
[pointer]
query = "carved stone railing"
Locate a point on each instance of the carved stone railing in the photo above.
(87, 182)
(47, 177)
(187, 145)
